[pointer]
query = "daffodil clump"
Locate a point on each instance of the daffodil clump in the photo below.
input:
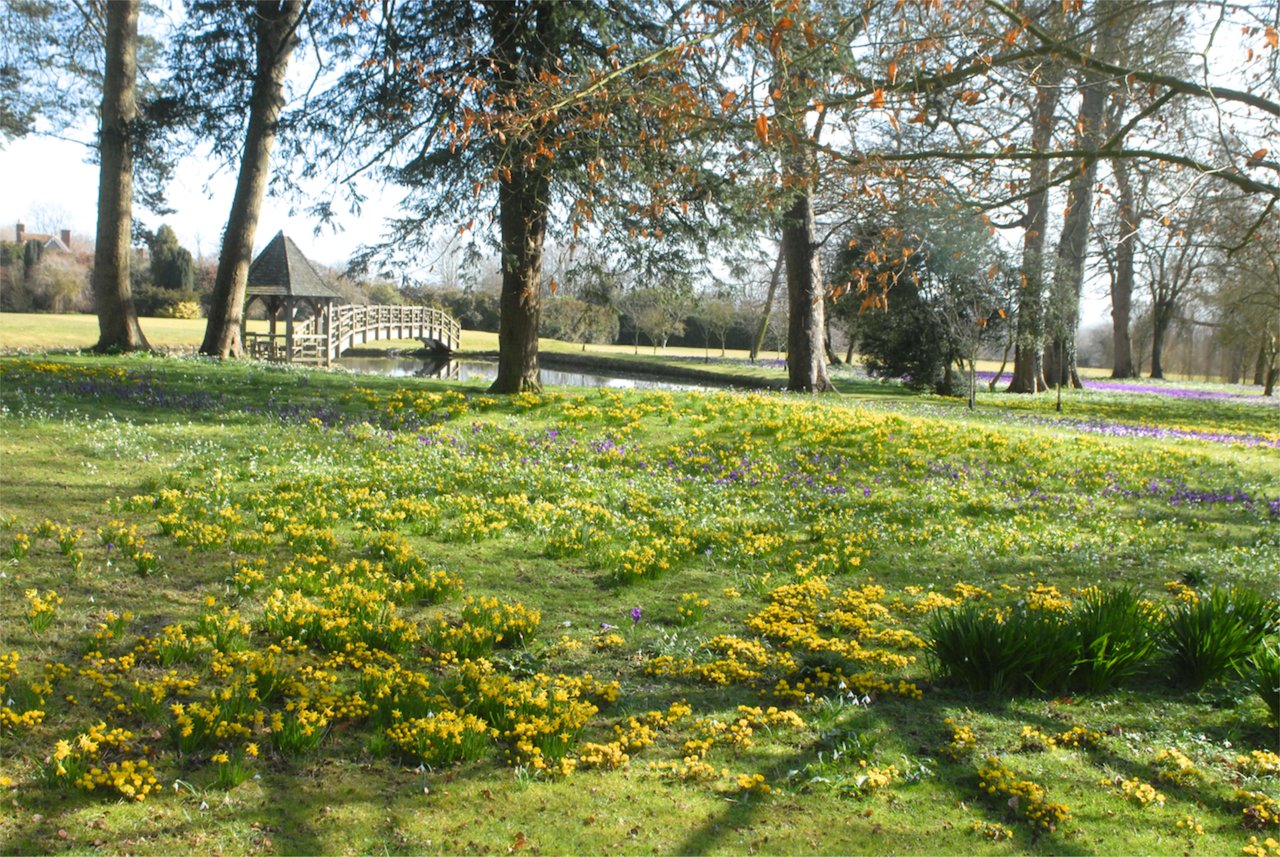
(41, 609)
(14, 715)
(67, 538)
(1136, 790)
(1259, 763)
(19, 546)
(963, 742)
(992, 831)
(692, 608)
(735, 734)
(1026, 798)
(1258, 809)
(537, 719)
(805, 620)
(484, 625)
(231, 768)
(868, 778)
(1047, 599)
(442, 737)
(753, 783)
(103, 758)
(631, 736)
(1075, 737)
(1176, 768)
(1190, 824)
(1268, 847)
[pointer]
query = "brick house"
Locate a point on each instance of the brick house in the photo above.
(60, 243)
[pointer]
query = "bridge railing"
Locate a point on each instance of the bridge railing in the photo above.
(312, 343)
(346, 321)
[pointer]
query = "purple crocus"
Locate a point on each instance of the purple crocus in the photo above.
(636, 613)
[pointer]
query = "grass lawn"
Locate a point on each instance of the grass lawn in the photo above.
(321, 613)
(44, 331)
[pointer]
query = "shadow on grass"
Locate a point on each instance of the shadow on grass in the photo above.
(958, 780)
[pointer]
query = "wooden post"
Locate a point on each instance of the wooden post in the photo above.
(244, 320)
(289, 310)
(326, 326)
(272, 308)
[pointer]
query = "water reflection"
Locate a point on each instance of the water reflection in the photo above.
(484, 371)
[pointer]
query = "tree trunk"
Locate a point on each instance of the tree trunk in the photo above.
(806, 294)
(768, 305)
(973, 378)
(523, 44)
(1272, 371)
(118, 328)
(1053, 373)
(1159, 326)
(1235, 365)
(833, 359)
(1122, 285)
(275, 25)
(1073, 245)
(522, 202)
(1004, 361)
(1028, 374)
(1260, 365)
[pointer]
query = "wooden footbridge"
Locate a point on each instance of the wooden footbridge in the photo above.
(316, 328)
(322, 338)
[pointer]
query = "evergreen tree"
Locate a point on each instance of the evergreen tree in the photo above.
(172, 266)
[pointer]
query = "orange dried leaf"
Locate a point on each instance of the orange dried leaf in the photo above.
(762, 129)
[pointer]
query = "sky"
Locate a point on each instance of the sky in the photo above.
(48, 176)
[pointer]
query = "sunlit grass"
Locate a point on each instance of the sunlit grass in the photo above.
(821, 535)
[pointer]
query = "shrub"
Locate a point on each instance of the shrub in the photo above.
(1114, 636)
(1215, 636)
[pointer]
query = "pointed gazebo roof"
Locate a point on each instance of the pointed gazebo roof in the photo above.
(281, 270)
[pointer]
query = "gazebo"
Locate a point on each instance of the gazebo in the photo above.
(286, 282)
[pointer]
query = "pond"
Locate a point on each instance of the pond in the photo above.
(485, 371)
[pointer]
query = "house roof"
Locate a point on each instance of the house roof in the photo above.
(282, 270)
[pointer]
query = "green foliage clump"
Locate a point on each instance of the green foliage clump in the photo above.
(1006, 652)
(1264, 678)
(1214, 636)
(1114, 635)
(1101, 642)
